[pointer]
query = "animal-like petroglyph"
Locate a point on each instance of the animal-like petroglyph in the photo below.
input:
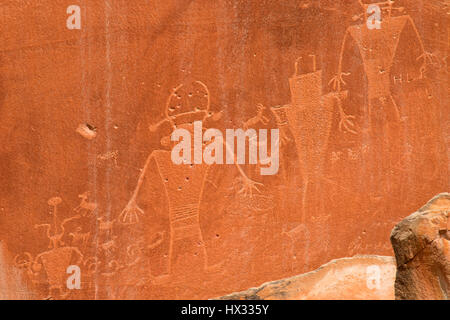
(80, 239)
(85, 207)
(258, 118)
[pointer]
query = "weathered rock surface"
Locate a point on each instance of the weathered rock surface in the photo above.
(356, 278)
(12, 286)
(86, 117)
(422, 250)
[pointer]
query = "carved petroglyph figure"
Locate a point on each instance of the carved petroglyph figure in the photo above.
(259, 118)
(377, 49)
(85, 207)
(106, 226)
(111, 155)
(298, 241)
(281, 119)
(178, 116)
(183, 183)
(52, 265)
(57, 228)
(428, 59)
(80, 239)
(109, 246)
(310, 116)
(136, 251)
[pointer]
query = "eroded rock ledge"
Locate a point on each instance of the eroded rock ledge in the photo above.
(359, 277)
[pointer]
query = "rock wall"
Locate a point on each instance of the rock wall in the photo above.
(91, 92)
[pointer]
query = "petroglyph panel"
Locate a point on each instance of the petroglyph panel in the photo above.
(95, 98)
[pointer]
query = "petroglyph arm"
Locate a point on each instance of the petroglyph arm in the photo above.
(131, 213)
(248, 185)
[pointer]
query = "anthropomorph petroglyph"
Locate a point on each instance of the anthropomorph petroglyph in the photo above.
(56, 231)
(184, 182)
(178, 120)
(310, 116)
(51, 265)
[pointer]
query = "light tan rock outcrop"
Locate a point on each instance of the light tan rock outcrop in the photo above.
(356, 278)
(422, 248)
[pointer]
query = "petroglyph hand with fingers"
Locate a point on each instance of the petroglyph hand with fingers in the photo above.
(338, 81)
(346, 122)
(248, 186)
(131, 213)
(429, 59)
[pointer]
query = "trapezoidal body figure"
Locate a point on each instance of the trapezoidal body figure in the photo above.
(183, 184)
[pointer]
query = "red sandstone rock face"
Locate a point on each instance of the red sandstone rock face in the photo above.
(86, 115)
(356, 278)
(422, 249)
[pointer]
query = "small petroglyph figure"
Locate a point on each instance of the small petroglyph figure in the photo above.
(80, 239)
(352, 154)
(57, 228)
(428, 59)
(281, 119)
(135, 252)
(297, 237)
(109, 246)
(53, 263)
(106, 226)
(336, 156)
(111, 268)
(111, 155)
(85, 207)
(258, 118)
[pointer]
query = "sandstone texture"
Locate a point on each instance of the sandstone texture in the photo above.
(12, 282)
(422, 249)
(356, 278)
(89, 101)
